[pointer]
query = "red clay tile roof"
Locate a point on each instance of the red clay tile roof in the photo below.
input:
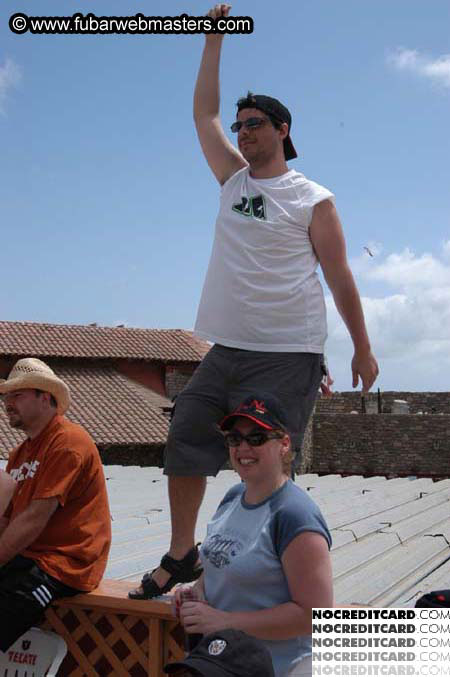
(113, 409)
(63, 340)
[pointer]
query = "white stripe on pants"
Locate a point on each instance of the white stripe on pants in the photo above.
(302, 669)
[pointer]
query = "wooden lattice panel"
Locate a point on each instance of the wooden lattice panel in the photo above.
(105, 639)
(173, 642)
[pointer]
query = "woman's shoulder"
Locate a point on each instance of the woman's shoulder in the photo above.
(292, 498)
(294, 512)
(232, 494)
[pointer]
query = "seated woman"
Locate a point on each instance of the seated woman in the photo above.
(266, 554)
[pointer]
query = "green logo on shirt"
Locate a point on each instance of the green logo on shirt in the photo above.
(253, 206)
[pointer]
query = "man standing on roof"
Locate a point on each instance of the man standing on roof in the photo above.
(56, 532)
(262, 303)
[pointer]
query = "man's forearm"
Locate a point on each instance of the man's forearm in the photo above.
(3, 524)
(347, 300)
(18, 535)
(207, 94)
(7, 488)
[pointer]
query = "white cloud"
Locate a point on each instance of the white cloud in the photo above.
(446, 249)
(408, 271)
(10, 75)
(437, 70)
(409, 329)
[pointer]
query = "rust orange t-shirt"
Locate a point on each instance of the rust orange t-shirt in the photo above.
(63, 462)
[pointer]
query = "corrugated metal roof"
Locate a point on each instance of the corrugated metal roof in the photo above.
(388, 538)
(391, 543)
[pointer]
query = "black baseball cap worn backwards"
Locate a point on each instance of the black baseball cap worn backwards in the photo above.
(229, 653)
(265, 410)
(276, 110)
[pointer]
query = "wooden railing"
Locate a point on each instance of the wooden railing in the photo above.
(108, 634)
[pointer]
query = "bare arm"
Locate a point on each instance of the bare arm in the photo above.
(223, 158)
(329, 244)
(307, 566)
(25, 528)
(7, 489)
(199, 588)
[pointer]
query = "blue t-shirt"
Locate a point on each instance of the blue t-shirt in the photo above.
(242, 552)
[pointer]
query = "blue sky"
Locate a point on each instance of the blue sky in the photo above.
(107, 206)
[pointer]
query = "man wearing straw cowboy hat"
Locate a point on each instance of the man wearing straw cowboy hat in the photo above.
(56, 532)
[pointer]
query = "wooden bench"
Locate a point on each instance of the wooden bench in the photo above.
(109, 634)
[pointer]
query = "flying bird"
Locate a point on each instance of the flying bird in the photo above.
(368, 251)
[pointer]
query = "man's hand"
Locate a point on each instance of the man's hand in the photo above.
(217, 12)
(364, 367)
(326, 386)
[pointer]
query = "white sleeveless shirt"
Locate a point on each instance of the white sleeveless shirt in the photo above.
(262, 291)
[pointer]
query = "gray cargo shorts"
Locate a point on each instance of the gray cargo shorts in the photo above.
(225, 377)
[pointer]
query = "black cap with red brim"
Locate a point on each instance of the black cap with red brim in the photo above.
(264, 410)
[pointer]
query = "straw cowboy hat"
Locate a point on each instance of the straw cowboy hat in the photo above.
(33, 373)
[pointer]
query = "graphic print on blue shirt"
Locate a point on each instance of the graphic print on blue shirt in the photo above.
(219, 550)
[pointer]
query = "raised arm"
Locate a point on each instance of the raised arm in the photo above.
(223, 158)
(329, 244)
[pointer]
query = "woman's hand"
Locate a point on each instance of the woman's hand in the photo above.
(201, 618)
(184, 592)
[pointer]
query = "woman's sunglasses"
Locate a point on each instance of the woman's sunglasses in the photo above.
(256, 439)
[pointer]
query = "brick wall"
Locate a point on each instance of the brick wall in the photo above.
(345, 402)
(142, 455)
(384, 444)
(304, 464)
(176, 378)
(148, 374)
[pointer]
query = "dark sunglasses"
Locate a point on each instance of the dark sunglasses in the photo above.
(256, 439)
(250, 123)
